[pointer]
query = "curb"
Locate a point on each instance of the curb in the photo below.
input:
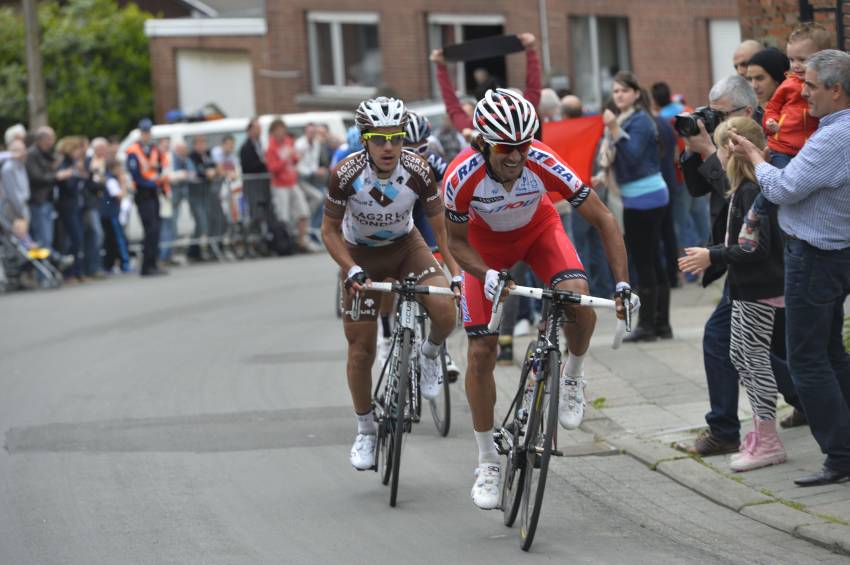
(718, 487)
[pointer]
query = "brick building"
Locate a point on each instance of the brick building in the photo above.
(329, 54)
(770, 21)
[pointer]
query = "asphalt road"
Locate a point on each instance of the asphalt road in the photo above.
(204, 418)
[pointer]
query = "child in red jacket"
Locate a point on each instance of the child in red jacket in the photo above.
(786, 118)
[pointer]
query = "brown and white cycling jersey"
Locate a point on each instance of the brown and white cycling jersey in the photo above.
(376, 212)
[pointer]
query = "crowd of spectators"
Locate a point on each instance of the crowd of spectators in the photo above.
(69, 201)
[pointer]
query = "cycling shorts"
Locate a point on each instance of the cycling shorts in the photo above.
(546, 249)
(407, 256)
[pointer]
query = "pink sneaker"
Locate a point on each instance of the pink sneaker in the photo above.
(765, 449)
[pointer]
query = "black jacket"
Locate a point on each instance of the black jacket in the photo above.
(758, 274)
(709, 178)
(251, 162)
(41, 170)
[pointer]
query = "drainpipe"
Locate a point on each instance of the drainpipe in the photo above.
(544, 37)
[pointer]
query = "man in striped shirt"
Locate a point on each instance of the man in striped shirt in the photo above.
(813, 194)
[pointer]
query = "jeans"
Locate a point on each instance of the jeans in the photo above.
(168, 230)
(816, 285)
(41, 224)
(690, 216)
(722, 378)
(72, 223)
(114, 244)
(93, 237)
(780, 160)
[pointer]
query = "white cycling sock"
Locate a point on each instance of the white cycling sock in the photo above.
(486, 448)
(574, 365)
(366, 423)
(430, 349)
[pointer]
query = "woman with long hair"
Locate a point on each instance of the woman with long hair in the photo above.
(637, 167)
(756, 288)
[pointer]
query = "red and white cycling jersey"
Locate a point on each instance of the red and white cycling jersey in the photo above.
(471, 195)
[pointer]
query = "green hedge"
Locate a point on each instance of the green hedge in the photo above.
(96, 66)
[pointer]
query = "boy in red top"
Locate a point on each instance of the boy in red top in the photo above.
(786, 117)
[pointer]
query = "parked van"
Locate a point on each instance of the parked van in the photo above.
(215, 130)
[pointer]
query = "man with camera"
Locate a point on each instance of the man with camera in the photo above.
(704, 175)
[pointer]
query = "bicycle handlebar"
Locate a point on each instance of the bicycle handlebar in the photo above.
(539, 293)
(397, 288)
(419, 289)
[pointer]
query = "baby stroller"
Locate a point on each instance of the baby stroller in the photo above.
(27, 268)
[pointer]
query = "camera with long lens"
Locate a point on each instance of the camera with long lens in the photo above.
(688, 126)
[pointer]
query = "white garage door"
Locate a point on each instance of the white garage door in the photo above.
(725, 35)
(221, 77)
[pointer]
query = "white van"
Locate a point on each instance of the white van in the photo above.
(215, 130)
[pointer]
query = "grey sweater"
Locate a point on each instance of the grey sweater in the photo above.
(16, 190)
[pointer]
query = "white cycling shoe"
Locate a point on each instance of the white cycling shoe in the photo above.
(431, 379)
(488, 486)
(571, 401)
(362, 455)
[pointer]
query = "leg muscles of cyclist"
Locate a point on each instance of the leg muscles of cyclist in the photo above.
(361, 354)
(579, 332)
(480, 383)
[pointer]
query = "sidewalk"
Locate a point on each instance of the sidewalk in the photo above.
(643, 398)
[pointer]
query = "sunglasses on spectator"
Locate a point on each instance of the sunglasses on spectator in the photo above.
(381, 139)
(508, 148)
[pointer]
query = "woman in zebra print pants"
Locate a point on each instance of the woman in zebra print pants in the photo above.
(756, 288)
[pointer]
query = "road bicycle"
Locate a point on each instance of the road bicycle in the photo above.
(397, 397)
(527, 436)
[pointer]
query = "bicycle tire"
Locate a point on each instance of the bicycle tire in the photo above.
(514, 472)
(385, 440)
(382, 455)
(541, 427)
(441, 407)
(398, 411)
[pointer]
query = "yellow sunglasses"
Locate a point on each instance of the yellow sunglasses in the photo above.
(381, 139)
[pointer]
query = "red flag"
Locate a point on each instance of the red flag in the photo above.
(575, 141)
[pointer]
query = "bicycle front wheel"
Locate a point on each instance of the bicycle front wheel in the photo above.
(398, 410)
(513, 475)
(541, 427)
(441, 408)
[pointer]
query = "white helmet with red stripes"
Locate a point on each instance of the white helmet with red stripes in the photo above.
(504, 116)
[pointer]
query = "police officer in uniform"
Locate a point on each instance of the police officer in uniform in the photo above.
(145, 165)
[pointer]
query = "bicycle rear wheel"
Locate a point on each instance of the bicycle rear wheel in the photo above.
(441, 408)
(513, 476)
(398, 410)
(541, 426)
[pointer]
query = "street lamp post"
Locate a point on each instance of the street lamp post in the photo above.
(35, 77)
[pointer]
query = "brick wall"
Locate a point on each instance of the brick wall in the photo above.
(770, 21)
(668, 41)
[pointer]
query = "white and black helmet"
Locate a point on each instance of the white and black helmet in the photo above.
(380, 112)
(418, 129)
(503, 116)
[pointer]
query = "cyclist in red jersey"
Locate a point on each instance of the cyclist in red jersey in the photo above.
(498, 212)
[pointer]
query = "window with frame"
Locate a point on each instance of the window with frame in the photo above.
(600, 49)
(345, 54)
(450, 28)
